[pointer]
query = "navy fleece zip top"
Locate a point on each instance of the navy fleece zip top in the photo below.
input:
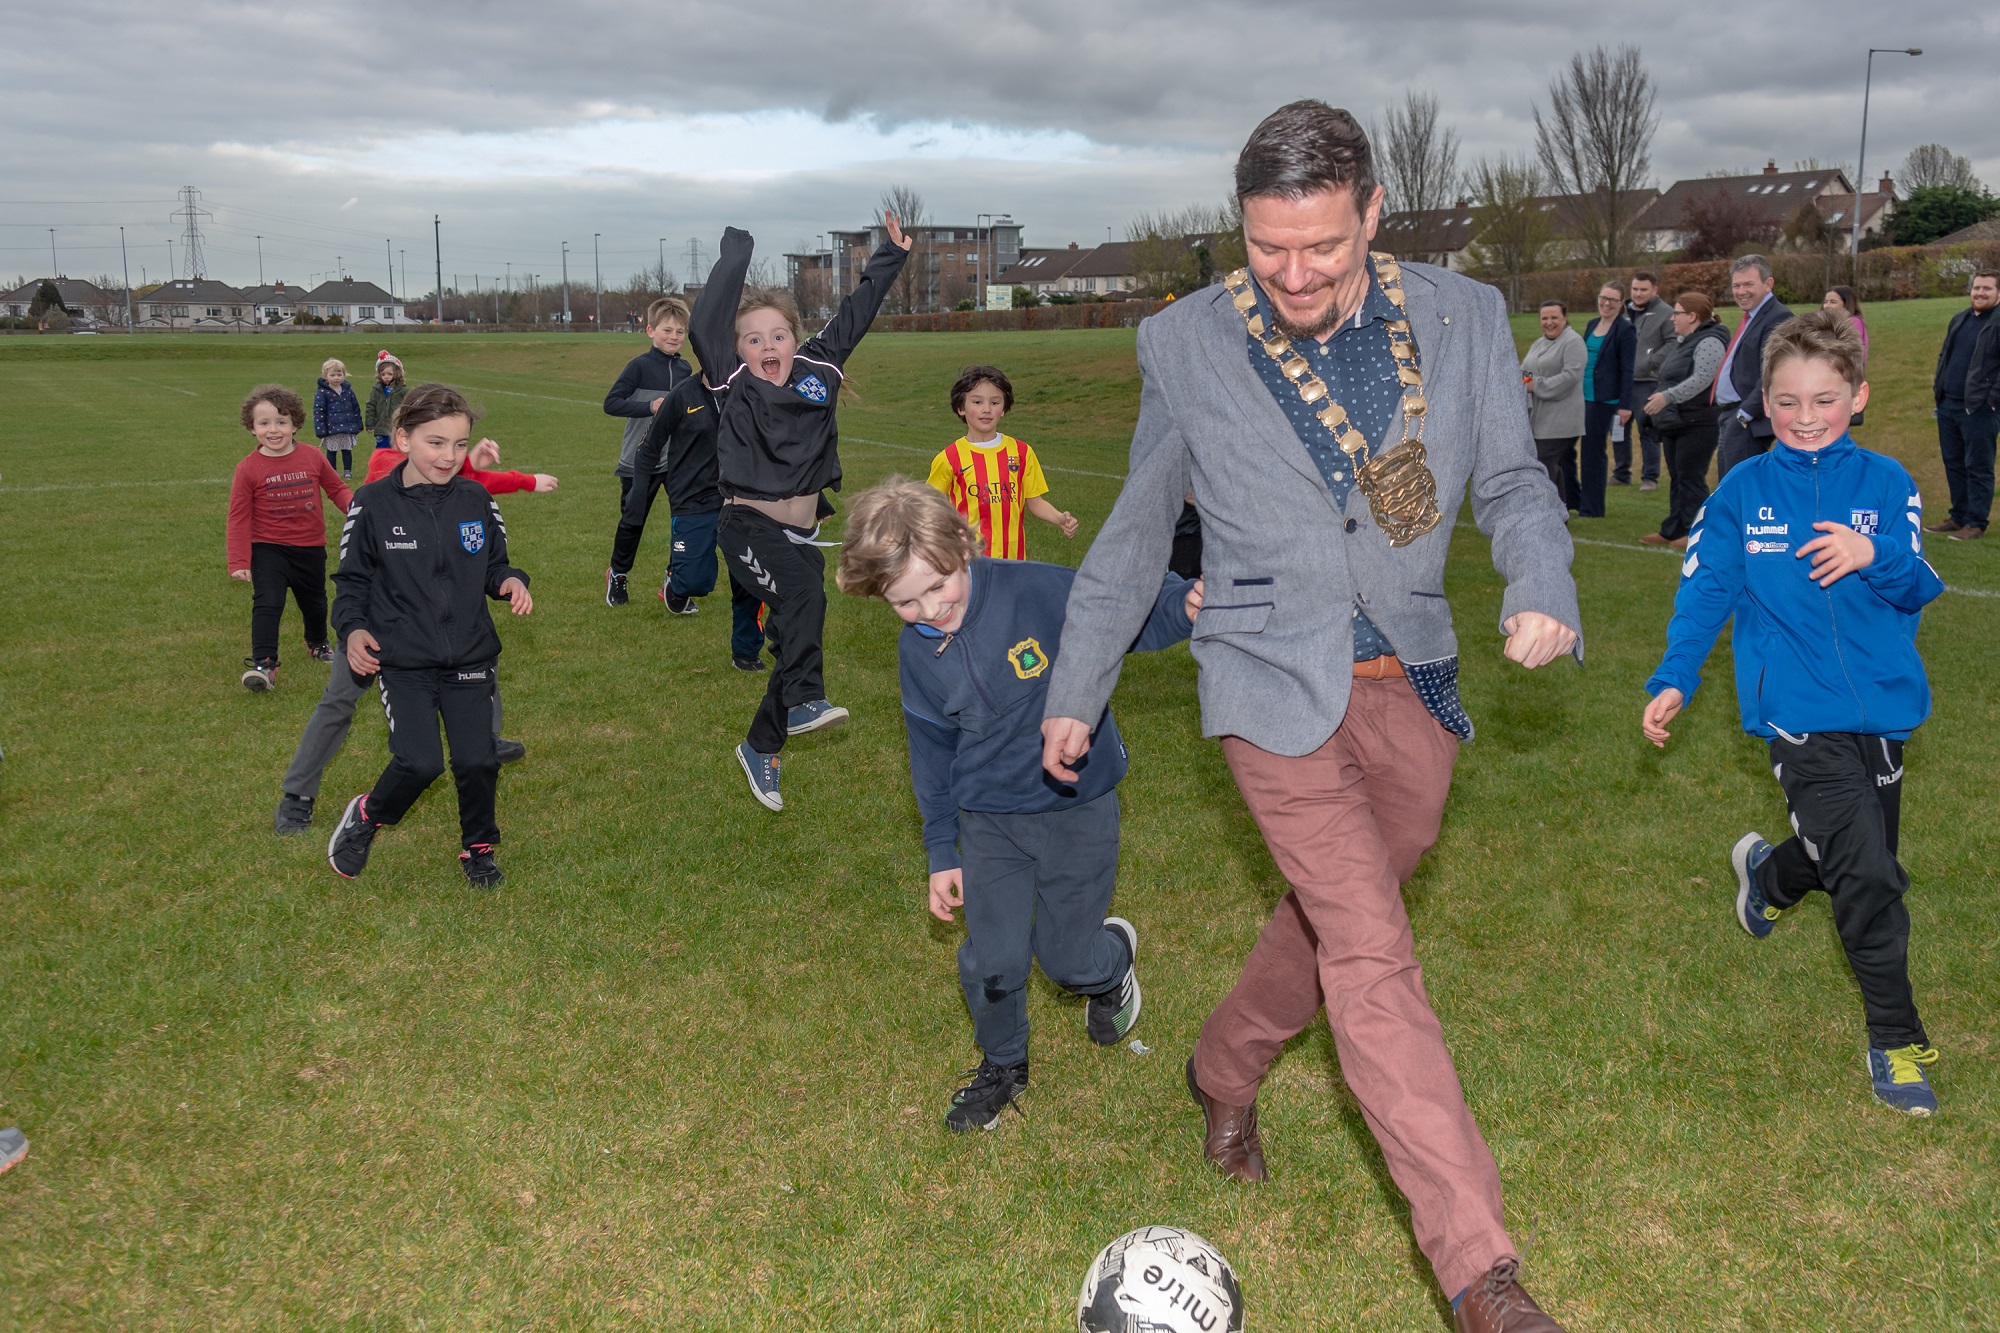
(1808, 658)
(972, 700)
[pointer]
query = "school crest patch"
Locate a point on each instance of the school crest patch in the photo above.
(472, 536)
(1028, 658)
(1867, 522)
(813, 387)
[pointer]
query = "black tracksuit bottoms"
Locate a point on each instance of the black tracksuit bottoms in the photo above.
(1846, 796)
(414, 701)
(274, 571)
(789, 576)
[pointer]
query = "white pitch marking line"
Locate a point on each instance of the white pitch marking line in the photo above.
(151, 384)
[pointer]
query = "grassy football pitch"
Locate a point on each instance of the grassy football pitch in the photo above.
(688, 1068)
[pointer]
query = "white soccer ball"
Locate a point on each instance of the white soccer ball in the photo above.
(1160, 1280)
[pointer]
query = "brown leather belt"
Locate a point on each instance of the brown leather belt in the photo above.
(1378, 668)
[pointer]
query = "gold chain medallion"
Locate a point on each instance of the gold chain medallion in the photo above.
(1402, 493)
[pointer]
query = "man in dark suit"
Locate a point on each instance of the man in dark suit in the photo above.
(1743, 426)
(1967, 390)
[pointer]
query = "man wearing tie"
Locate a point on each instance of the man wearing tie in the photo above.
(1743, 428)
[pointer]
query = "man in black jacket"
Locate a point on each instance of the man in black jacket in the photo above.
(1744, 427)
(421, 551)
(1966, 388)
(1653, 328)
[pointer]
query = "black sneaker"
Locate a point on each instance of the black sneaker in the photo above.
(347, 850)
(680, 606)
(477, 863)
(510, 752)
(1108, 1017)
(295, 814)
(321, 652)
(258, 677)
(750, 664)
(993, 1089)
(614, 589)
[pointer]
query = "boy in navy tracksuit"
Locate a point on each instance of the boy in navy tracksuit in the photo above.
(1827, 670)
(680, 448)
(637, 395)
(1033, 862)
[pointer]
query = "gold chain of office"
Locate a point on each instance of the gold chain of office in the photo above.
(1402, 493)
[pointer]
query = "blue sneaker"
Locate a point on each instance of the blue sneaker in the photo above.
(1898, 1076)
(762, 770)
(815, 716)
(1752, 909)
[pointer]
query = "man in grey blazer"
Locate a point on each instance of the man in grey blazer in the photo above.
(1328, 663)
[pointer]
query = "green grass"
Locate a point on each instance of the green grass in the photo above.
(687, 1069)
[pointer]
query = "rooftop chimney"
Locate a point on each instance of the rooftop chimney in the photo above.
(1465, 201)
(1072, 245)
(1888, 185)
(1771, 166)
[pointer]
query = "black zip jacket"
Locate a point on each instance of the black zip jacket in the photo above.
(1981, 388)
(680, 444)
(775, 441)
(416, 565)
(972, 700)
(649, 375)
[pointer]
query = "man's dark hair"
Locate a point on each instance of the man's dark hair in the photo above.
(432, 402)
(1646, 275)
(972, 377)
(1993, 273)
(1303, 148)
(1553, 302)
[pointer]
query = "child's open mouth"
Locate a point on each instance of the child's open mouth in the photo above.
(768, 367)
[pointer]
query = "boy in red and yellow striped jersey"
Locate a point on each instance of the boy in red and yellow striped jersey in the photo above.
(993, 479)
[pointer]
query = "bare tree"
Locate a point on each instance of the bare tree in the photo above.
(1185, 250)
(1934, 164)
(912, 289)
(1418, 157)
(1595, 142)
(1512, 229)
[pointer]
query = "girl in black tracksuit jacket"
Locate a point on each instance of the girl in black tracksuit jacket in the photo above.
(417, 564)
(776, 450)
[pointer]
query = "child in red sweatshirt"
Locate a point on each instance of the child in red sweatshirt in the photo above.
(277, 532)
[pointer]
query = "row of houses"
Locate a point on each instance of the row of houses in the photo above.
(204, 303)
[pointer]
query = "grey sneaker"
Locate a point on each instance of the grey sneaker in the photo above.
(259, 676)
(295, 814)
(13, 1147)
(815, 716)
(762, 770)
(1108, 1017)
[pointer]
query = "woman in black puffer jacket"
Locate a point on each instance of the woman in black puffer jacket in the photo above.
(1683, 415)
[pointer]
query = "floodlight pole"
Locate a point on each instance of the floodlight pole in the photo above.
(597, 265)
(565, 276)
(126, 260)
(55, 269)
(389, 258)
(1861, 159)
(437, 245)
(260, 261)
(663, 265)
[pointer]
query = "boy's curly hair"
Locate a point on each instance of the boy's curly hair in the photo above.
(889, 523)
(280, 398)
(972, 377)
(1818, 335)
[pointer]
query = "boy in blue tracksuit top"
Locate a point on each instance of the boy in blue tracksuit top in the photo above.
(1827, 670)
(1032, 862)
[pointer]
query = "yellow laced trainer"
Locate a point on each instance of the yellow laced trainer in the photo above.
(1898, 1076)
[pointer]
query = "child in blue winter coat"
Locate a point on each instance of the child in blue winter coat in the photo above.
(1033, 861)
(336, 414)
(1827, 671)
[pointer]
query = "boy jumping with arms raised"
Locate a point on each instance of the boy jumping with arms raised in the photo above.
(1827, 671)
(1033, 861)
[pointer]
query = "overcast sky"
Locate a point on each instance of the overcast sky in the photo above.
(328, 128)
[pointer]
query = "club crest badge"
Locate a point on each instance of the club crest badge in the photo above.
(1013, 465)
(1867, 522)
(472, 536)
(813, 387)
(1028, 658)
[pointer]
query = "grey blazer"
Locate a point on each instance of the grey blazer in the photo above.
(1555, 400)
(1284, 566)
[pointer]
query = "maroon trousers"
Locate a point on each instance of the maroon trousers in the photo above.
(1346, 826)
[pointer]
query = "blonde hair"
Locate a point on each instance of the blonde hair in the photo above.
(888, 524)
(666, 308)
(331, 364)
(772, 298)
(1818, 335)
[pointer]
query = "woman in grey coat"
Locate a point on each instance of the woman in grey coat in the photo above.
(1553, 373)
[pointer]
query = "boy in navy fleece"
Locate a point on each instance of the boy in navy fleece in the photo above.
(637, 395)
(1032, 862)
(1827, 670)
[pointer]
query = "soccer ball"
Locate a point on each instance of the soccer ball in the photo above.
(1159, 1280)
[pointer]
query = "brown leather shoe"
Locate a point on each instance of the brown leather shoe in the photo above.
(1653, 539)
(1948, 525)
(1230, 1140)
(1968, 533)
(1496, 1304)
(1679, 543)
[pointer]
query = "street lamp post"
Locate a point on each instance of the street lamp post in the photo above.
(565, 277)
(597, 269)
(985, 224)
(1861, 160)
(126, 260)
(55, 269)
(663, 265)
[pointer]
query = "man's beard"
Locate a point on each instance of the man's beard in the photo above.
(1324, 325)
